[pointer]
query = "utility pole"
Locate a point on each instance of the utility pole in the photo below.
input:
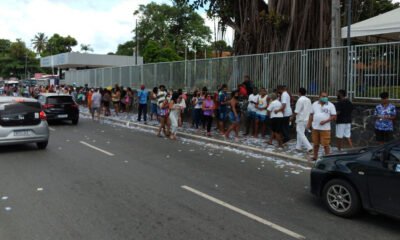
(349, 21)
(336, 64)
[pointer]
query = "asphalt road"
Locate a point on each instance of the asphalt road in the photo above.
(97, 181)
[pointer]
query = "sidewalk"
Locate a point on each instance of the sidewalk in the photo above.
(257, 145)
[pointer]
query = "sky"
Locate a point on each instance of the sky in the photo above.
(101, 23)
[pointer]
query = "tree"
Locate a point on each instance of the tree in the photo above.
(279, 25)
(154, 52)
(39, 42)
(126, 48)
(174, 27)
(16, 59)
(58, 44)
(86, 48)
(370, 8)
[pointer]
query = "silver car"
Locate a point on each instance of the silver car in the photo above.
(22, 121)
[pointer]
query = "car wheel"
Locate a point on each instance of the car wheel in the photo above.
(75, 121)
(341, 198)
(42, 145)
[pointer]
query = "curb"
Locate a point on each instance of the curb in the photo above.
(207, 139)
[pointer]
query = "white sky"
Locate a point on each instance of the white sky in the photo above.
(101, 23)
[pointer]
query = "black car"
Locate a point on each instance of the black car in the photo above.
(366, 178)
(59, 107)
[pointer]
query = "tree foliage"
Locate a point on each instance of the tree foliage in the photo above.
(173, 27)
(154, 52)
(86, 48)
(59, 44)
(39, 42)
(126, 48)
(14, 57)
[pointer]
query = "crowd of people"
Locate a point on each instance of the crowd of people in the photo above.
(260, 111)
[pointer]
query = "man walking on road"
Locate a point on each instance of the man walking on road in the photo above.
(344, 109)
(302, 114)
(143, 96)
(322, 113)
(96, 104)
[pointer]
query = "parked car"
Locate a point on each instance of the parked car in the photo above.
(59, 107)
(366, 178)
(22, 121)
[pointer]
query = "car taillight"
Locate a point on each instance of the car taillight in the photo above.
(45, 106)
(42, 116)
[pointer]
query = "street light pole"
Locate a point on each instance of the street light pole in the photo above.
(137, 44)
(349, 3)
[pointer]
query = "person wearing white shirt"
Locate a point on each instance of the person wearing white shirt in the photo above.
(322, 113)
(251, 111)
(261, 116)
(276, 119)
(286, 110)
(302, 114)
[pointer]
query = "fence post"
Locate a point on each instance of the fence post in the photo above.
(304, 65)
(95, 78)
(130, 76)
(155, 75)
(141, 74)
(266, 71)
(350, 70)
(235, 72)
(120, 76)
(171, 69)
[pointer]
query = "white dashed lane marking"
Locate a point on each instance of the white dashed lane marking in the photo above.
(244, 213)
(96, 148)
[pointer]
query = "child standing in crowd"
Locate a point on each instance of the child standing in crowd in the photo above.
(261, 115)
(153, 101)
(106, 102)
(208, 111)
(234, 115)
(276, 119)
(385, 114)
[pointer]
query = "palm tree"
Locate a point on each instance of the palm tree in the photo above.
(86, 48)
(39, 42)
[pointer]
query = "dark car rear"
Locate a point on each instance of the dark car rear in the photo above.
(59, 107)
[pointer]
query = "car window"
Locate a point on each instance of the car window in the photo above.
(394, 155)
(59, 100)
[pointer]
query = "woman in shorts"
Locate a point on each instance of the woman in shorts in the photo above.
(234, 115)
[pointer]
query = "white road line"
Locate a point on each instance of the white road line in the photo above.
(244, 213)
(96, 148)
(51, 129)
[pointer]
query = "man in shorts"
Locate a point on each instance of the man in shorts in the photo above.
(96, 104)
(322, 114)
(344, 109)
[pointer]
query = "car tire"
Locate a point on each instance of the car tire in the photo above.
(75, 121)
(42, 145)
(341, 198)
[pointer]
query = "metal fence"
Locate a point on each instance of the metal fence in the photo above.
(363, 70)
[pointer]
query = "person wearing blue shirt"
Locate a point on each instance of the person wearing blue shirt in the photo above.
(142, 96)
(222, 110)
(385, 114)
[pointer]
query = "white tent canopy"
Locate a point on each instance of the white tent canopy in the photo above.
(384, 27)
